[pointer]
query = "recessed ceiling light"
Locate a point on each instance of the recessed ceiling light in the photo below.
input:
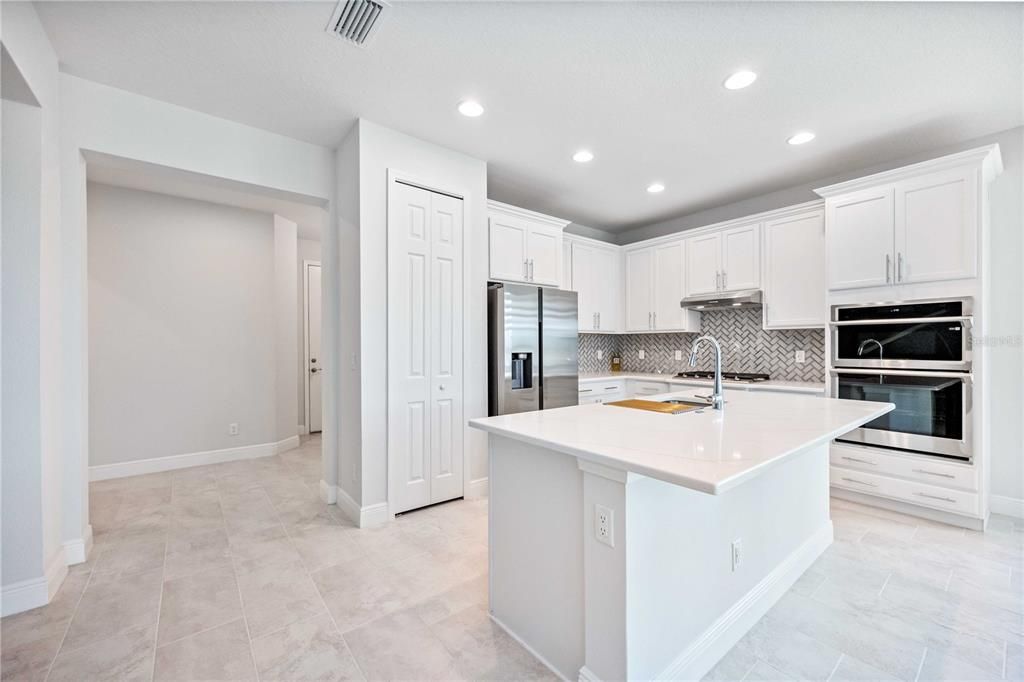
(583, 156)
(739, 80)
(470, 108)
(655, 187)
(802, 137)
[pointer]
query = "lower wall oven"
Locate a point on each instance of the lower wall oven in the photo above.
(932, 415)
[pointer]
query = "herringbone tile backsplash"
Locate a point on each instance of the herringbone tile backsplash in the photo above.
(746, 347)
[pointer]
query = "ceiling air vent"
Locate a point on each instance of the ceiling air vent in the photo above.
(356, 20)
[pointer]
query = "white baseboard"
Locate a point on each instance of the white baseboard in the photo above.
(536, 655)
(77, 551)
(701, 656)
(154, 465)
(328, 492)
(1008, 506)
(587, 675)
(364, 517)
(34, 592)
(476, 489)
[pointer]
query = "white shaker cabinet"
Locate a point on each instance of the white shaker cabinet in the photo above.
(794, 271)
(860, 239)
(936, 234)
(655, 284)
(596, 279)
(524, 246)
(724, 260)
(908, 226)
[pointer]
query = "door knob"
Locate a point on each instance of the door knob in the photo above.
(441, 387)
(314, 370)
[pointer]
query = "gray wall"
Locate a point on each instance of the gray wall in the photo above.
(181, 326)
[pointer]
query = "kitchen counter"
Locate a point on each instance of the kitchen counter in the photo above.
(709, 450)
(627, 544)
(814, 387)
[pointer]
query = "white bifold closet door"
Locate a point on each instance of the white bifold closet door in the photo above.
(425, 301)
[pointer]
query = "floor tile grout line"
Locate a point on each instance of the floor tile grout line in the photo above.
(885, 584)
(238, 587)
(835, 667)
(920, 665)
(1006, 647)
(159, 606)
(67, 628)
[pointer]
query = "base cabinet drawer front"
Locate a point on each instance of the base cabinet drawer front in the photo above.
(913, 492)
(646, 387)
(925, 470)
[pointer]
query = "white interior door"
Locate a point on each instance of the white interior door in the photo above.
(314, 361)
(425, 429)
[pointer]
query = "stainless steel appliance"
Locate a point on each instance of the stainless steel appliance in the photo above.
(533, 348)
(917, 356)
(734, 299)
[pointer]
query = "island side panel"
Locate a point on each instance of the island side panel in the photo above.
(686, 607)
(536, 550)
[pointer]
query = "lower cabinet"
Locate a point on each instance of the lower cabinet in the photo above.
(601, 391)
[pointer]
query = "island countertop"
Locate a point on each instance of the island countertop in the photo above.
(710, 451)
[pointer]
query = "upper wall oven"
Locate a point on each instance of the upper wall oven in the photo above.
(928, 335)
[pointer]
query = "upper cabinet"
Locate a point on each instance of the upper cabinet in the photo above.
(655, 284)
(794, 271)
(595, 274)
(524, 246)
(725, 260)
(912, 225)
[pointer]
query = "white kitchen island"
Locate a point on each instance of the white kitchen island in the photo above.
(657, 597)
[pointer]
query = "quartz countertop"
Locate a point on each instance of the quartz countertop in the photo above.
(815, 387)
(708, 450)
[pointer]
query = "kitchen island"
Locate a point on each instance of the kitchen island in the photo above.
(627, 544)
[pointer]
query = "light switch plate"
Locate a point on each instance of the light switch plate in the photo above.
(640, 354)
(679, 355)
(801, 356)
(600, 354)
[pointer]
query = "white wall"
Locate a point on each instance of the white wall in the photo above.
(307, 250)
(36, 490)
(110, 121)
(381, 149)
(191, 326)
(286, 336)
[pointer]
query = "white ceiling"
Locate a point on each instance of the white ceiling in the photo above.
(637, 83)
(148, 177)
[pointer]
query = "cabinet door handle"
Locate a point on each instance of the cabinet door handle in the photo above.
(725, 279)
(526, 270)
(859, 461)
(899, 267)
(655, 325)
(936, 497)
(888, 268)
(650, 323)
(718, 280)
(611, 388)
(599, 320)
(531, 269)
(854, 480)
(933, 473)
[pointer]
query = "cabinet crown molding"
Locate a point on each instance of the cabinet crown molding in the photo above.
(509, 209)
(988, 158)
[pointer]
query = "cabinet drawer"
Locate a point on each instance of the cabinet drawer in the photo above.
(913, 492)
(647, 387)
(925, 470)
(601, 387)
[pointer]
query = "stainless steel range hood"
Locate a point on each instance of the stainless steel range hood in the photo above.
(733, 299)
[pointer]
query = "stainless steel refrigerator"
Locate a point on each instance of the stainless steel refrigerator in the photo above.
(533, 351)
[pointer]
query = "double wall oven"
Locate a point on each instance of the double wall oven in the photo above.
(917, 356)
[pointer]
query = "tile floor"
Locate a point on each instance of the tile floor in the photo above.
(237, 571)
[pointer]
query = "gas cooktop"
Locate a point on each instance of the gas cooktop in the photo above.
(749, 377)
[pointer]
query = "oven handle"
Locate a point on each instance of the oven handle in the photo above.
(966, 378)
(967, 321)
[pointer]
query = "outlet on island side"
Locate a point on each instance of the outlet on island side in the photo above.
(232, 429)
(737, 554)
(604, 525)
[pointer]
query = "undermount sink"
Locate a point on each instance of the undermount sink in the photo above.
(693, 403)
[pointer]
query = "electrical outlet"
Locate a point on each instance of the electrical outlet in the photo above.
(600, 354)
(640, 354)
(801, 356)
(604, 525)
(679, 355)
(737, 554)
(232, 429)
